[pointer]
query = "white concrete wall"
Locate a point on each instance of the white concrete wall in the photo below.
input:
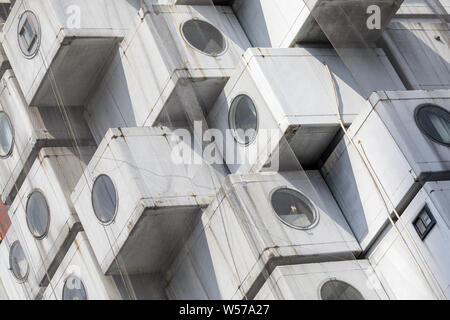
(80, 262)
(15, 289)
(272, 23)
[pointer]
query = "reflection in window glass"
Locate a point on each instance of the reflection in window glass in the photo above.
(29, 34)
(339, 290)
(243, 119)
(74, 289)
(38, 215)
(294, 208)
(204, 36)
(6, 135)
(434, 121)
(104, 199)
(18, 262)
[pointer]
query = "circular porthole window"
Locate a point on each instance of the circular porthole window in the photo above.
(29, 34)
(38, 215)
(434, 122)
(17, 261)
(104, 199)
(243, 119)
(74, 289)
(6, 135)
(204, 37)
(293, 208)
(339, 290)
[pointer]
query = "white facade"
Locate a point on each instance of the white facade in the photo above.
(115, 190)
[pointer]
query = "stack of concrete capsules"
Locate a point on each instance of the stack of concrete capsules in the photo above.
(46, 143)
(114, 104)
(408, 159)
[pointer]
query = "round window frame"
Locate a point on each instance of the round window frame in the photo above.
(116, 209)
(39, 34)
(198, 50)
(309, 202)
(319, 293)
(48, 209)
(419, 108)
(233, 127)
(82, 282)
(25, 277)
(13, 136)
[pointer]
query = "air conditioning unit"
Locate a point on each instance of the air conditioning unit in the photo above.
(283, 23)
(410, 147)
(25, 130)
(63, 46)
(180, 58)
(343, 280)
(427, 220)
(138, 201)
(43, 211)
(79, 276)
(257, 222)
(284, 100)
(17, 273)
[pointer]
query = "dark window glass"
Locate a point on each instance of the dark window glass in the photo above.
(6, 135)
(38, 215)
(294, 208)
(434, 122)
(243, 119)
(339, 290)
(204, 36)
(104, 199)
